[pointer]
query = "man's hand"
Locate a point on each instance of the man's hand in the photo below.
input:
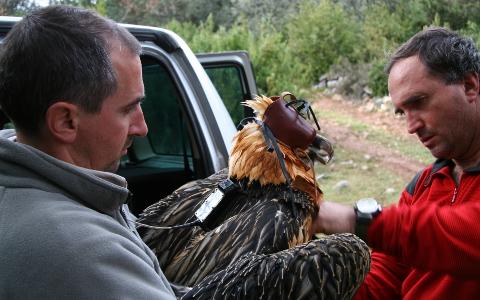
(334, 218)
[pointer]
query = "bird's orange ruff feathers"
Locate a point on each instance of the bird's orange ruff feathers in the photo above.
(249, 157)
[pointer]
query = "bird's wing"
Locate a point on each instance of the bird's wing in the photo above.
(176, 209)
(332, 267)
(178, 202)
(261, 223)
(266, 227)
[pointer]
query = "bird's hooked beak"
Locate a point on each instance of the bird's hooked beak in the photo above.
(319, 149)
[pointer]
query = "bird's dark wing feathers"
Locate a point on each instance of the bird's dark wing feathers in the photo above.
(332, 267)
(251, 251)
(254, 230)
(176, 209)
(262, 224)
(177, 206)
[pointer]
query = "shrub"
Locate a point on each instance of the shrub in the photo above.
(319, 35)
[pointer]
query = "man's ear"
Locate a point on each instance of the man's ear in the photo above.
(61, 121)
(472, 86)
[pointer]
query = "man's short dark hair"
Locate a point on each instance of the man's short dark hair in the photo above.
(58, 53)
(447, 54)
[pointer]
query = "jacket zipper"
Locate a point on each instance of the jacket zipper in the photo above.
(454, 195)
(124, 215)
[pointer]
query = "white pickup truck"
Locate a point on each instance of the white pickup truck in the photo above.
(190, 128)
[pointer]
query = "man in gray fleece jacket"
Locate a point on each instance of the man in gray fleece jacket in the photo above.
(71, 82)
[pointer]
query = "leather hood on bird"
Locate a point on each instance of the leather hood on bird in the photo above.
(287, 123)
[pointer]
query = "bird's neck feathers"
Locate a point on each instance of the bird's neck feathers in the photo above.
(250, 159)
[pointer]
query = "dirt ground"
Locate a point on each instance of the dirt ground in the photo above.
(342, 135)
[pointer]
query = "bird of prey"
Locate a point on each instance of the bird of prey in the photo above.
(261, 244)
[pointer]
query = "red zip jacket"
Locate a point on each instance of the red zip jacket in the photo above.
(429, 246)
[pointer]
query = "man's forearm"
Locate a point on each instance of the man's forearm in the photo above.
(334, 218)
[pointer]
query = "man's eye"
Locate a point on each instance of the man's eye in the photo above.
(417, 102)
(131, 109)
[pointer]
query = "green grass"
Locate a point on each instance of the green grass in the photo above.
(365, 176)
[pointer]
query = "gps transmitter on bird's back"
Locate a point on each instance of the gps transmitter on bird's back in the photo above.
(216, 204)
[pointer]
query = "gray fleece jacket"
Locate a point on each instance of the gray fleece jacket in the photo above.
(63, 233)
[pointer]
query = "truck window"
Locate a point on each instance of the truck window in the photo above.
(168, 133)
(229, 86)
(160, 162)
(232, 74)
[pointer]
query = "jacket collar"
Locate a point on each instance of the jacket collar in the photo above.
(104, 192)
(441, 163)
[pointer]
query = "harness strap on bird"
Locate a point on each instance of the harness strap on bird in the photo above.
(300, 133)
(305, 108)
(269, 140)
(267, 133)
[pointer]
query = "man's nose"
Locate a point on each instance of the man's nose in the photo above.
(139, 127)
(414, 122)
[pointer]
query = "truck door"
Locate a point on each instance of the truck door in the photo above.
(233, 76)
(186, 123)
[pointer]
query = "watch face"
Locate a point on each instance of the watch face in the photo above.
(368, 205)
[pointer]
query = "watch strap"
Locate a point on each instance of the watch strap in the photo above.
(362, 223)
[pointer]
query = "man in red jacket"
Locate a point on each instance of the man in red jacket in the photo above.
(427, 247)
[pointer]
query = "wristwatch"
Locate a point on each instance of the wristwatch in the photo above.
(365, 209)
